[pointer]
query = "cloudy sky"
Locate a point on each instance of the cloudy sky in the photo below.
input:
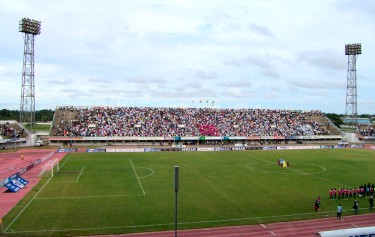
(277, 54)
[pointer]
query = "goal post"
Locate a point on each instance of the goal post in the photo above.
(51, 167)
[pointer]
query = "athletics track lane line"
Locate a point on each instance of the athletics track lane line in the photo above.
(280, 229)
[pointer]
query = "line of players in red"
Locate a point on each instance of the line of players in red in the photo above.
(345, 193)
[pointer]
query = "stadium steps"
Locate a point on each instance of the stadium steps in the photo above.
(326, 124)
(62, 115)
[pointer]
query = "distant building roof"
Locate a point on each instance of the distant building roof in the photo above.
(359, 120)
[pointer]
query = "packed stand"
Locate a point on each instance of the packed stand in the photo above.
(170, 122)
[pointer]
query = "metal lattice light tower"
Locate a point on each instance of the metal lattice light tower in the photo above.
(30, 28)
(352, 50)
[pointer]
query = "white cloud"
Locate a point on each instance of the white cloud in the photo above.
(276, 53)
(261, 30)
(323, 59)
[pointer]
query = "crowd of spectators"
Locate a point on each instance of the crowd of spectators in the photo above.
(369, 131)
(170, 122)
(7, 131)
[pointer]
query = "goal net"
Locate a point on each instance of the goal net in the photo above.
(50, 168)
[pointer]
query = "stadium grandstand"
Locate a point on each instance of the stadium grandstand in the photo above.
(153, 126)
(189, 126)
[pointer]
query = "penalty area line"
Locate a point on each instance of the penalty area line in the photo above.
(93, 196)
(80, 174)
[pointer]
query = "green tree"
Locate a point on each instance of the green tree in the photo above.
(9, 114)
(40, 115)
(335, 118)
(44, 115)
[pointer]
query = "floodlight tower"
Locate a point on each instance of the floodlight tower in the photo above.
(30, 28)
(352, 50)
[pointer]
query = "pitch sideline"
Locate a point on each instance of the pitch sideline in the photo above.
(172, 224)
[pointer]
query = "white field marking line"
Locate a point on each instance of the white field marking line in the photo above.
(90, 228)
(245, 218)
(135, 172)
(156, 225)
(327, 180)
(263, 226)
(80, 174)
(94, 196)
(23, 209)
(61, 182)
(322, 171)
(68, 157)
(270, 172)
(167, 224)
(272, 233)
(152, 172)
(261, 217)
(354, 225)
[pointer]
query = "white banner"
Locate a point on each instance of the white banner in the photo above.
(190, 138)
(150, 138)
(360, 232)
(206, 149)
(214, 138)
(297, 147)
(125, 150)
(237, 138)
(284, 148)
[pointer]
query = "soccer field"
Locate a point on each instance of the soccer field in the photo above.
(112, 193)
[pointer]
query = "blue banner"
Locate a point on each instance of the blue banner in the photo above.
(152, 149)
(222, 148)
(267, 148)
(22, 180)
(12, 187)
(67, 150)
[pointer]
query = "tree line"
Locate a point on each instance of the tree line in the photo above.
(43, 115)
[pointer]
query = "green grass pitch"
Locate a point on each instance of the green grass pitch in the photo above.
(112, 193)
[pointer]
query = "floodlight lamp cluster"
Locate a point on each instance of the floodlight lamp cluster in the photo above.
(30, 26)
(353, 49)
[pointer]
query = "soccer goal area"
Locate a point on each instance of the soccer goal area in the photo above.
(50, 169)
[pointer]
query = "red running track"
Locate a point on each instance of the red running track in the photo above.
(280, 229)
(11, 163)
